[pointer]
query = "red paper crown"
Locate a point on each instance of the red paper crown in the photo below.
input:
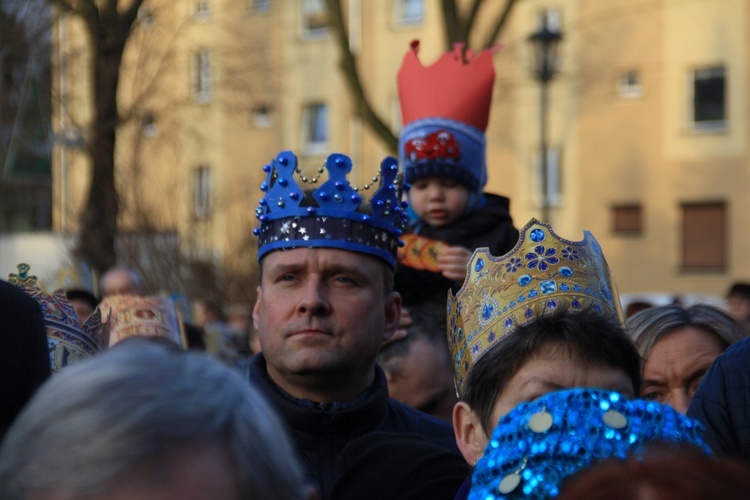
(458, 86)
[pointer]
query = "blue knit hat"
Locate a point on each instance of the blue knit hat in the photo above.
(536, 446)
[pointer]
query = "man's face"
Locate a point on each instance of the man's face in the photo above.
(553, 369)
(424, 380)
(322, 315)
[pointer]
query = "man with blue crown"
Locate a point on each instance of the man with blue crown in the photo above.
(325, 306)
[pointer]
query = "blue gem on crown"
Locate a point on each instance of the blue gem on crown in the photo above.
(329, 216)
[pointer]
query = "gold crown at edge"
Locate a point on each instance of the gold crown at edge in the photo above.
(541, 274)
(67, 340)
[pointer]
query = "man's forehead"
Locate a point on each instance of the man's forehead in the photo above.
(324, 257)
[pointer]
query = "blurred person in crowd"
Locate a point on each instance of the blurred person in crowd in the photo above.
(84, 303)
(738, 303)
(325, 306)
(120, 280)
(678, 345)
(660, 473)
(540, 444)
(722, 402)
(636, 306)
(418, 367)
(537, 320)
(220, 339)
(24, 357)
(147, 420)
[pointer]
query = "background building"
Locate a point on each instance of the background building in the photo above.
(648, 125)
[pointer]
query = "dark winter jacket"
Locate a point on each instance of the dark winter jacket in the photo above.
(320, 432)
(722, 402)
(491, 226)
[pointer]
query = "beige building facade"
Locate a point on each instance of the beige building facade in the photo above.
(647, 130)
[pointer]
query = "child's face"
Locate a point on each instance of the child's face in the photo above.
(437, 201)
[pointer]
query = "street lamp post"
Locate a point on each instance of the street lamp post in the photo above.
(545, 43)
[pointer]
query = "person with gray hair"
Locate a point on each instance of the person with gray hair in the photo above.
(121, 280)
(147, 420)
(678, 345)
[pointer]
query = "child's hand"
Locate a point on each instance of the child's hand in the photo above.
(453, 262)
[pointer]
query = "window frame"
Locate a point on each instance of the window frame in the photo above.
(398, 14)
(311, 33)
(202, 180)
(708, 124)
(693, 236)
(310, 127)
(201, 75)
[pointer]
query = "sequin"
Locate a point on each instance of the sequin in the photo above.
(509, 483)
(540, 422)
(615, 419)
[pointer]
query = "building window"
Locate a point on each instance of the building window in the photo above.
(314, 18)
(704, 236)
(629, 85)
(260, 5)
(627, 219)
(554, 178)
(263, 115)
(201, 9)
(709, 97)
(202, 192)
(202, 76)
(145, 17)
(408, 11)
(549, 18)
(148, 125)
(314, 128)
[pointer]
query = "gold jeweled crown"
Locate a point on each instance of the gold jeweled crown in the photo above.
(542, 273)
(68, 341)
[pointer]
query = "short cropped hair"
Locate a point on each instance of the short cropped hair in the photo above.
(428, 322)
(94, 423)
(590, 338)
(650, 325)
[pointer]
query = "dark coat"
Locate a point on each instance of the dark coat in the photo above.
(320, 432)
(24, 356)
(491, 226)
(722, 402)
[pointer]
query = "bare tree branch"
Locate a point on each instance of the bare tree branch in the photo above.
(500, 24)
(349, 67)
(468, 24)
(452, 23)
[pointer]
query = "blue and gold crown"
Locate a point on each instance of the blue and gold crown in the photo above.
(67, 340)
(542, 273)
(331, 219)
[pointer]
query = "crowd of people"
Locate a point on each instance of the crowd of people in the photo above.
(412, 345)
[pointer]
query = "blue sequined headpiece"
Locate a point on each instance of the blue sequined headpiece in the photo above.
(333, 220)
(539, 444)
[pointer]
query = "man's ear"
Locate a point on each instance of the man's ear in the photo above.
(392, 314)
(470, 436)
(256, 308)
